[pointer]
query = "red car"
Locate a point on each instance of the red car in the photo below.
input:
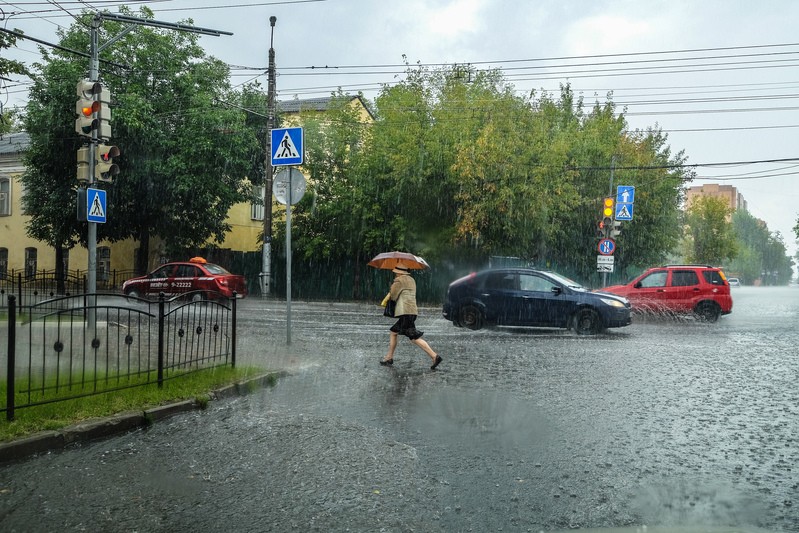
(679, 289)
(207, 279)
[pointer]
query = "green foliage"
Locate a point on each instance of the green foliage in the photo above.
(712, 237)
(184, 157)
(457, 168)
(762, 254)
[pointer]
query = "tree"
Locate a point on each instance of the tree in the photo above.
(711, 234)
(185, 157)
(458, 168)
(9, 117)
(761, 253)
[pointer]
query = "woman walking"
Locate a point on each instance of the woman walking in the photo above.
(403, 291)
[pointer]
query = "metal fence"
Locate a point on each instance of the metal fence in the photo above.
(75, 346)
(31, 288)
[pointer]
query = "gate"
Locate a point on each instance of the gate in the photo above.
(75, 346)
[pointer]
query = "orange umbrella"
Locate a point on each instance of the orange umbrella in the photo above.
(390, 260)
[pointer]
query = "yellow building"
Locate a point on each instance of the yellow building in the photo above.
(20, 253)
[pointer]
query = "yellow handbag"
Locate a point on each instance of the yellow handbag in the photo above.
(385, 300)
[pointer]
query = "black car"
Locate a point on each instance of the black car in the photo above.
(532, 298)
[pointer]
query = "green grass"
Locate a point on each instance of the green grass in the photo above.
(54, 416)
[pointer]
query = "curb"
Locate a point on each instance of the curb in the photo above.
(48, 441)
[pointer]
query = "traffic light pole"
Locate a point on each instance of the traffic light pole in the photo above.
(266, 257)
(94, 74)
(91, 274)
(608, 229)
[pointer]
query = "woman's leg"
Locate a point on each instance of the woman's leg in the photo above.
(421, 343)
(392, 345)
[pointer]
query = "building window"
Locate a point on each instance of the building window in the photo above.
(3, 263)
(5, 197)
(257, 207)
(31, 262)
(103, 263)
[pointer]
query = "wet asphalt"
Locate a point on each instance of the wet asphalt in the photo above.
(668, 422)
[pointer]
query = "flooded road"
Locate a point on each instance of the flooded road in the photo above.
(665, 422)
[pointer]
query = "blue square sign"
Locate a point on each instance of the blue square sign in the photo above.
(95, 205)
(287, 148)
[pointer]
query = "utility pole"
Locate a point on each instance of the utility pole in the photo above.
(610, 226)
(266, 259)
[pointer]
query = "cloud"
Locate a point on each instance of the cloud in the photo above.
(606, 34)
(454, 19)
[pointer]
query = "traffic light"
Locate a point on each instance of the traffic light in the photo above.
(92, 108)
(87, 108)
(104, 115)
(83, 164)
(607, 215)
(615, 229)
(104, 167)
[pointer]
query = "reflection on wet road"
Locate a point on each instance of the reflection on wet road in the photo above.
(665, 422)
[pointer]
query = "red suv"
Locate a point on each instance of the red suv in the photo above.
(698, 289)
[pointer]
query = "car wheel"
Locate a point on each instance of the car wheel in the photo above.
(133, 294)
(586, 322)
(470, 317)
(708, 311)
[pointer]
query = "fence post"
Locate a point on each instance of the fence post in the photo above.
(160, 340)
(233, 336)
(12, 342)
(19, 288)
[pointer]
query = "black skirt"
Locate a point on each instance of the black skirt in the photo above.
(406, 325)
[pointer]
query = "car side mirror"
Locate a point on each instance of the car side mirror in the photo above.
(556, 291)
(637, 285)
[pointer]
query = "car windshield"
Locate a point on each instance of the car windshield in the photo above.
(215, 269)
(566, 281)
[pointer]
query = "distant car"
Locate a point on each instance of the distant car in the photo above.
(531, 298)
(204, 280)
(678, 289)
(734, 282)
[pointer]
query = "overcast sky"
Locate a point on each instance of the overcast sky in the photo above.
(720, 77)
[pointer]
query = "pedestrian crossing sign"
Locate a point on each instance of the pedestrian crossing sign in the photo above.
(624, 212)
(287, 146)
(95, 206)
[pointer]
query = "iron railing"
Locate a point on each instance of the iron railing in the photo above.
(75, 346)
(31, 288)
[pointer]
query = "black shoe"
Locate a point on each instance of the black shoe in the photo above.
(436, 362)
(387, 362)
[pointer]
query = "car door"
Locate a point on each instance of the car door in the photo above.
(186, 279)
(684, 290)
(542, 300)
(159, 281)
(649, 292)
(499, 295)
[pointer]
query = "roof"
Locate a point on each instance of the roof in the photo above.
(315, 104)
(14, 143)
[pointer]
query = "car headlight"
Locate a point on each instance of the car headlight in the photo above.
(612, 302)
